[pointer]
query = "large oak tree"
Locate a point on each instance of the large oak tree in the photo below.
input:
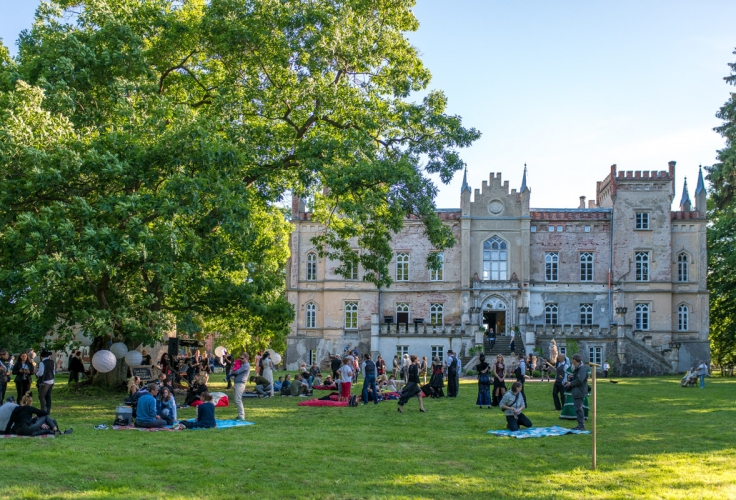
(145, 146)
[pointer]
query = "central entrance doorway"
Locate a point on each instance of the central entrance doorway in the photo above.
(495, 320)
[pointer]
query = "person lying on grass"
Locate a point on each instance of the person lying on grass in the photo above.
(205, 414)
(512, 405)
(29, 421)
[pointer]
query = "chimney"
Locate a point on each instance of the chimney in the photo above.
(582, 202)
(591, 203)
(294, 206)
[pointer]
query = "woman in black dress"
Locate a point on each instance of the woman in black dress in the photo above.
(23, 369)
(412, 388)
(484, 383)
(437, 382)
(499, 380)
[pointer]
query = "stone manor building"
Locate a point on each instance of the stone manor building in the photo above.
(623, 275)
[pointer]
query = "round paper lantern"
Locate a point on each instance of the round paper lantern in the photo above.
(133, 358)
(82, 339)
(104, 361)
(219, 351)
(275, 357)
(119, 350)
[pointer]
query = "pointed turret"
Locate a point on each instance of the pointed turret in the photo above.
(466, 186)
(700, 193)
(685, 205)
(523, 181)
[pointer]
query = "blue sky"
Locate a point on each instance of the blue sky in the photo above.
(568, 88)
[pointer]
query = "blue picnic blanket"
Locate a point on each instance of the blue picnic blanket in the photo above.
(227, 424)
(536, 432)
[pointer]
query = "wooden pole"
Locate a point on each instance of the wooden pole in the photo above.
(595, 410)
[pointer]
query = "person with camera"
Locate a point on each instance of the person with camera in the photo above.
(512, 405)
(578, 384)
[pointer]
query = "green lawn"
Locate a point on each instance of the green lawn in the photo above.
(656, 440)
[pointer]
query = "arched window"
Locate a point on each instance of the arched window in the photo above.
(683, 318)
(551, 263)
(351, 315)
(495, 260)
(311, 318)
(642, 316)
(586, 314)
(586, 266)
(311, 267)
(683, 267)
(402, 312)
(437, 314)
(550, 314)
(642, 266)
(402, 266)
(438, 274)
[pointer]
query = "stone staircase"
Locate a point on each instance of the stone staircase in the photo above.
(502, 347)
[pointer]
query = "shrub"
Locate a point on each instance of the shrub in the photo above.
(536, 373)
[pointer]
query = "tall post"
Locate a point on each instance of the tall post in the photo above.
(595, 411)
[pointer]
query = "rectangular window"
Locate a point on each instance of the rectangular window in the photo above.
(550, 314)
(551, 261)
(596, 355)
(587, 229)
(551, 229)
(642, 266)
(402, 266)
(586, 266)
(312, 357)
(401, 350)
(351, 271)
(533, 229)
(683, 318)
(437, 314)
(438, 351)
(642, 220)
(586, 314)
(563, 350)
(351, 315)
(642, 316)
(559, 229)
(438, 274)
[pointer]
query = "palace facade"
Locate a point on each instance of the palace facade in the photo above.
(624, 276)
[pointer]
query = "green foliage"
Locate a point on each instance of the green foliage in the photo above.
(475, 350)
(145, 146)
(721, 257)
(571, 347)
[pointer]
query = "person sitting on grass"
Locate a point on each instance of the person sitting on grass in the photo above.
(146, 412)
(29, 421)
(166, 406)
(161, 382)
(317, 380)
(194, 392)
(277, 385)
(6, 410)
(134, 384)
(328, 382)
(299, 387)
(263, 386)
(285, 386)
(512, 405)
(205, 414)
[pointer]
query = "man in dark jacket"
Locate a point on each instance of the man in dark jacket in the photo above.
(558, 390)
(579, 385)
(335, 365)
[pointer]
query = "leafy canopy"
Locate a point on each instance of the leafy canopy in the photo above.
(145, 145)
(721, 241)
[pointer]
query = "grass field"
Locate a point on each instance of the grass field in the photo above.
(656, 440)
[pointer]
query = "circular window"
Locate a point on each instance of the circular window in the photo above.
(495, 207)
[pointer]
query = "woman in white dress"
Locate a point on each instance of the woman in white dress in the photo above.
(267, 368)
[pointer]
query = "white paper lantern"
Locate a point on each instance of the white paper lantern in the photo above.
(275, 357)
(219, 351)
(119, 350)
(133, 358)
(104, 361)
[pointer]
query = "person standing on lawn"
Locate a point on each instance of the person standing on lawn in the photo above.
(521, 376)
(499, 380)
(346, 378)
(423, 368)
(579, 385)
(558, 389)
(5, 370)
(369, 379)
(240, 377)
(484, 383)
(606, 367)
(512, 405)
(412, 386)
(380, 366)
(702, 372)
(335, 367)
(395, 366)
(451, 368)
(45, 374)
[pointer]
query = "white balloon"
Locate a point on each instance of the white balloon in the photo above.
(133, 358)
(219, 351)
(119, 350)
(104, 361)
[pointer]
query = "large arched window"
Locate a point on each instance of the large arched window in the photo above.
(550, 314)
(402, 266)
(437, 314)
(642, 316)
(495, 260)
(311, 318)
(351, 315)
(683, 267)
(683, 318)
(311, 267)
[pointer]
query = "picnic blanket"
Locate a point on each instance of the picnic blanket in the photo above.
(7, 436)
(319, 402)
(536, 432)
(221, 424)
